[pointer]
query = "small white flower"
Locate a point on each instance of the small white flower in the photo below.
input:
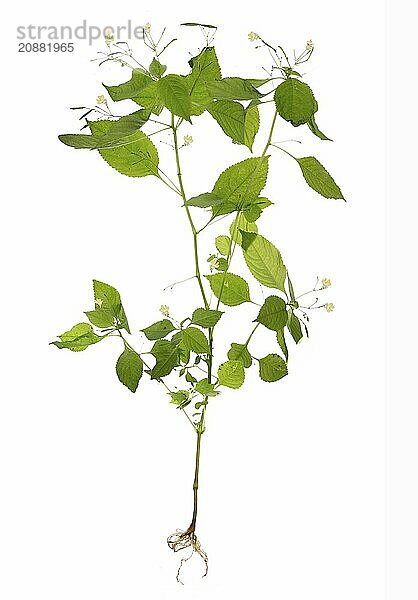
(147, 27)
(252, 36)
(164, 310)
(326, 283)
(214, 263)
(99, 302)
(188, 140)
(329, 307)
(101, 99)
(309, 45)
(109, 37)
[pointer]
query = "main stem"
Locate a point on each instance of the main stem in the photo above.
(200, 427)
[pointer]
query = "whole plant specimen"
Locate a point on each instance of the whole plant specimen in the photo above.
(185, 348)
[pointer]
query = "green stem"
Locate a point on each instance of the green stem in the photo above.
(200, 427)
(192, 225)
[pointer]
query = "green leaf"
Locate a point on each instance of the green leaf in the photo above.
(184, 353)
(107, 298)
(295, 101)
(251, 125)
(232, 88)
(223, 244)
(205, 67)
(156, 69)
(119, 133)
(231, 118)
(205, 200)
(282, 343)
(318, 178)
(195, 340)
(78, 338)
(150, 99)
(231, 374)
(294, 327)
(273, 313)
(158, 330)
(315, 130)
(233, 288)
(174, 94)
(180, 398)
(130, 89)
(265, 262)
(240, 352)
(199, 25)
(167, 358)
(240, 223)
(129, 368)
(205, 388)
(206, 317)
(190, 378)
(253, 209)
(101, 317)
(272, 368)
(137, 159)
(240, 183)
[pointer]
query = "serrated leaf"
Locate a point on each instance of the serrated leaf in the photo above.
(205, 67)
(136, 159)
(240, 352)
(101, 317)
(273, 313)
(167, 358)
(129, 368)
(240, 183)
(156, 69)
(205, 388)
(195, 340)
(251, 125)
(119, 133)
(282, 343)
(254, 209)
(294, 327)
(295, 101)
(318, 178)
(231, 289)
(272, 368)
(316, 131)
(107, 298)
(232, 88)
(205, 317)
(231, 374)
(184, 353)
(223, 244)
(174, 94)
(205, 200)
(149, 98)
(230, 116)
(265, 262)
(158, 330)
(78, 338)
(130, 89)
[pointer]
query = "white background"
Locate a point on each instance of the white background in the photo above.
(94, 478)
